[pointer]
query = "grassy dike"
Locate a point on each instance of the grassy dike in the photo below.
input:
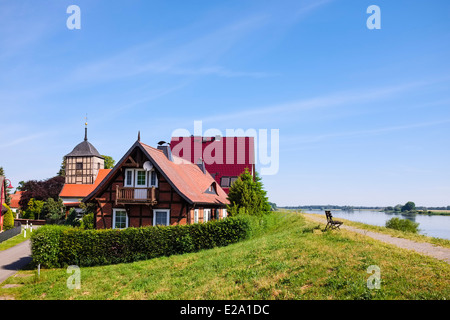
(288, 257)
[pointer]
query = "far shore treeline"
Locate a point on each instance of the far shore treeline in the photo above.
(407, 208)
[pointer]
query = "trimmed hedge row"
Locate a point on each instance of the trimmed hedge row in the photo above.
(59, 246)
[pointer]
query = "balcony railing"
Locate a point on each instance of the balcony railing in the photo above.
(127, 195)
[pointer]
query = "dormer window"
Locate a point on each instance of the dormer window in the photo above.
(211, 189)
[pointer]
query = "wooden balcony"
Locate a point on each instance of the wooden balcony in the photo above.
(126, 195)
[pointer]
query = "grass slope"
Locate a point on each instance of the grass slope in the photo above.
(291, 258)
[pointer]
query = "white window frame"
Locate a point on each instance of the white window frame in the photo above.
(224, 213)
(136, 178)
(206, 217)
(196, 211)
(167, 211)
(114, 218)
(150, 179)
(132, 178)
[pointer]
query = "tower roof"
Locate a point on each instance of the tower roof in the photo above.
(84, 149)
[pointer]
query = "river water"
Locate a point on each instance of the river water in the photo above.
(432, 226)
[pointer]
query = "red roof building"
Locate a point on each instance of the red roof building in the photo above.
(150, 186)
(73, 193)
(225, 158)
(15, 198)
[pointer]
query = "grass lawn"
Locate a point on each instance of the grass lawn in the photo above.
(395, 233)
(11, 242)
(291, 259)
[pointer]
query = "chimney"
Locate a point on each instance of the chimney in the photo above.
(167, 151)
(201, 165)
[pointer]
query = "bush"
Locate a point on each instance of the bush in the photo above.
(8, 219)
(72, 219)
(87, 222)
(45, 245)
(58, 246)
(402, 225)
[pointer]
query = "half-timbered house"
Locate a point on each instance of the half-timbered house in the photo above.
(149, 186)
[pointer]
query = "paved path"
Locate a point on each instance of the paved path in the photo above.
(13, 259)
(429, 249)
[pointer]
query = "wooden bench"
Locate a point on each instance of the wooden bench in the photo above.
(332, 224)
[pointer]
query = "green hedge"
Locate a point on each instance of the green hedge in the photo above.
(58, 246)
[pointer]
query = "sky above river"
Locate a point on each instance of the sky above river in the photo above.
(362, 114)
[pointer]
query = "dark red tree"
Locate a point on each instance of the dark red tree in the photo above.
(41, 190)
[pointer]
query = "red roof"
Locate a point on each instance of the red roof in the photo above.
(184, 176)
(187, 178)
(238, 153)
(82, 190)
(15, 198)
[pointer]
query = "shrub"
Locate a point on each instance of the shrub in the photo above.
(72, 219)
(402, 225)
(8, 219)
(45, 245)
(87, 222)
(58, 246)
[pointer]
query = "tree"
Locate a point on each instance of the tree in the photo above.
(8, 218)
(62, 169)
(34, 209)
(20, 186)
(41, 190)
(72, 219)
(109, 162)
(409, 206)
(53, 211)
(247, 195)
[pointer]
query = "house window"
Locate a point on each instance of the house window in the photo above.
(79, 166)
(141, 178)
(216, 214)
(153, 178)
(224, 213)
(206, 215)
(225, 182)
(195, 215)
(128, 178)
(161, 217)
(120, 219)
(232, 180)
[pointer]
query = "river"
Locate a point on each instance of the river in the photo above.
(432, 226)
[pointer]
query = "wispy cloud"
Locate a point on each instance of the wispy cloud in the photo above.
(22, 140)
(329, 100)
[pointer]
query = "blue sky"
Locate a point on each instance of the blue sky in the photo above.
(363, 115)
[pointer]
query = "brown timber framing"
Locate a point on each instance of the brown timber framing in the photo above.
(166, 196)
(101, 211)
